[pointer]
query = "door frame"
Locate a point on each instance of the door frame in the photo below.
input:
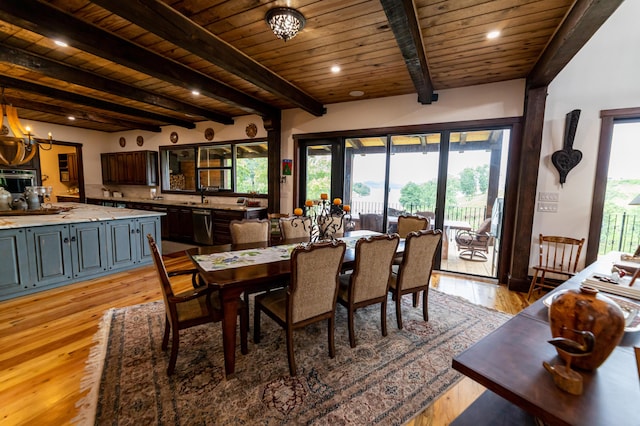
(510, 206)
(608, 118)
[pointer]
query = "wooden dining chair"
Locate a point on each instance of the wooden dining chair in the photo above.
(250, 231)
(309, 298)
(414, 272)
(296, 228)
(200, 305)
(557, 256)
(368, 283)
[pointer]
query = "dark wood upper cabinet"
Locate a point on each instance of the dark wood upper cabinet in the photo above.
(130, 168)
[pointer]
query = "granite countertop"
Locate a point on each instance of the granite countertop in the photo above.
(212, 206)
(77, 213)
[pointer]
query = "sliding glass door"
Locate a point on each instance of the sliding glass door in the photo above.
(475, 182)
(454, 177)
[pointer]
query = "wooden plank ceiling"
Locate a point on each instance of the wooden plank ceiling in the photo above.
(133, 64)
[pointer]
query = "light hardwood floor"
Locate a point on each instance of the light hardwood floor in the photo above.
(45, 340)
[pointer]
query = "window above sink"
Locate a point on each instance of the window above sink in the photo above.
(228, 168)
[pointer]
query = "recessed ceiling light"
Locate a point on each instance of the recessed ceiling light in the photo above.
(335, 69)
(61, 43)
(493, 34)
(195, 92)
(356, 93)
(71, 117)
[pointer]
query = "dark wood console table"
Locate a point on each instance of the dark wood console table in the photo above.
(508, 362)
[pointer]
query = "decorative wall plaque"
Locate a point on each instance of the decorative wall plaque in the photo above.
(140, 140)
(252, 130)
(173, 137)
(567, 158)
(209, 133)
(122, 142)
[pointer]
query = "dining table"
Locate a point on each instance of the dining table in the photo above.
(232, 269)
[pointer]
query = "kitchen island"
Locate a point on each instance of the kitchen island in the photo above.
(39, 252)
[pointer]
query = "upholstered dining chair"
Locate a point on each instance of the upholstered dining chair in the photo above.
(296, 228)
(197, 306)
(557, 256)
(414, 272)
(309, 298)
(247, 231)
(250, 231)
(368, 283)
(408, 223)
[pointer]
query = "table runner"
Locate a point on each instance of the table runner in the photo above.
(255, 256)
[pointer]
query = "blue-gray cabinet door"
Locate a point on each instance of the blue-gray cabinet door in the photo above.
(13, 262)
(88, 248)
(121, 243)
(148, 225)
(51, 247)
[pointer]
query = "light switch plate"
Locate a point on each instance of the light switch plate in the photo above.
(548, 197)
(548, 207)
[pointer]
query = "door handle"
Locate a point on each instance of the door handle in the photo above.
(73, 239)
(65, 240)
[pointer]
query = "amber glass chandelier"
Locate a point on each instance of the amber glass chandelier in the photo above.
(18, 144)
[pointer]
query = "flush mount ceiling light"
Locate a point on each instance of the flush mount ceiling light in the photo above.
(493, 34)
(285, 22)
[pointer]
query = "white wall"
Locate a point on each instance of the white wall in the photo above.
(92, 143)
(605, 74)
(497, 100)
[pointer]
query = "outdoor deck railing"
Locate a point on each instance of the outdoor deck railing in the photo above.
(620, 232)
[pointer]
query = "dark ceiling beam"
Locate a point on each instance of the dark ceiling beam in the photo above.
(50, 22)
(62, 95)
(582, 21)
(403, 21)
(161, 19)
(81, 114)
(73, 75)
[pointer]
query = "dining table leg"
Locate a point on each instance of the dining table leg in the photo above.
(229, 298)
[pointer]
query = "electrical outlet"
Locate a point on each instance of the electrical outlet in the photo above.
(548, 207)
(548, 197)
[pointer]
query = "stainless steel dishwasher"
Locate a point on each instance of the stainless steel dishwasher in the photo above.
(203, 226)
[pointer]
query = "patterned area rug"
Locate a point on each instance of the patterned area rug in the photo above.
(383, 380)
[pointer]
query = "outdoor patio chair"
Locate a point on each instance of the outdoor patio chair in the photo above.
(474, 245)
(371, 222)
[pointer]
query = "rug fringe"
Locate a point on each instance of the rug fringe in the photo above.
(93, 370)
